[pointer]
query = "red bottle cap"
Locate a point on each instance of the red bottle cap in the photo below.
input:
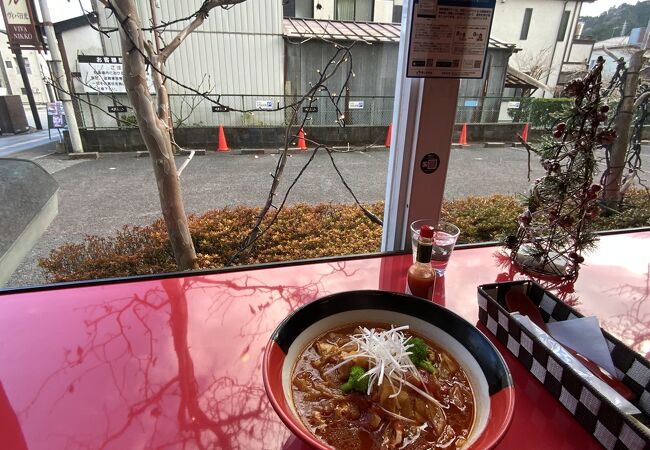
(426, 231)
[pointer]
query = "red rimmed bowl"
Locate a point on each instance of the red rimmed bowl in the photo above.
(485, 368)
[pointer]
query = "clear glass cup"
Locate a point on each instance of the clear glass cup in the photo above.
(445, 236)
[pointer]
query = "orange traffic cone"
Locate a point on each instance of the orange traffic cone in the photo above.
(524, 134)
(223, 145)
(302, 145)
(463, 135)
(389, 135)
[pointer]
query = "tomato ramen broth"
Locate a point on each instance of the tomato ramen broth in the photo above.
(382, 387)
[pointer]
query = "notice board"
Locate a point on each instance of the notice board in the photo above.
(449, 38)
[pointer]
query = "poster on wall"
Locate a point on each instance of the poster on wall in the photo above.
(449, 38)
(56, 115)
(103, 74)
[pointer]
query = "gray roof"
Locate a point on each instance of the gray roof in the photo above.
(370, 32)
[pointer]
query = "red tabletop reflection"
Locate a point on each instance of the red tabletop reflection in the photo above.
(176, 362)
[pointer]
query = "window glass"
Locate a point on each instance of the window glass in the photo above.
(363, 10)
(528, 13)
(241, 87)
(345, 9)
(563, 25)
(397, 13)
(305, 8)
(233, 86)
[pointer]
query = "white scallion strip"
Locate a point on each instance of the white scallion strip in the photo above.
(397, 416)
(389, 358)
(409, 440)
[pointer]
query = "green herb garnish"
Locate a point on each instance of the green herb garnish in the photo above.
(420, 355)
(355, 381)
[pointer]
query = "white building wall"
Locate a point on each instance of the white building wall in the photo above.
(580, 53)
(542, 44)
(15, 81)
(609, 69)
(80, 41)
(327, 10)
(239, 52)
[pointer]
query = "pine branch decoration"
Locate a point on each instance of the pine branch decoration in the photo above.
(556, 228)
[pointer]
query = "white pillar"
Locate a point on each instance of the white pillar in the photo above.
(423, 122)
(60, 78)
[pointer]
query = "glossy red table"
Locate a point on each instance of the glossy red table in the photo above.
(175, 362)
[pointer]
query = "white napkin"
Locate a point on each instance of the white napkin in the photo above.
(585, 337)
(608, 392)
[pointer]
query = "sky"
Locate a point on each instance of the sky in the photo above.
(64, 9)
(600, 6)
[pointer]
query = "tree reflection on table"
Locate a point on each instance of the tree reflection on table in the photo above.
(633, 326)
(208, 411)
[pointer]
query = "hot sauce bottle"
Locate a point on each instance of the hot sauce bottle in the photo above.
(420, 276)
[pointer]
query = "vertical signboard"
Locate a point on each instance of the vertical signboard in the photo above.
(449, 38)
(21, 26)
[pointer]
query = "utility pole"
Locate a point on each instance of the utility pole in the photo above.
(28, 88)
(60, 79)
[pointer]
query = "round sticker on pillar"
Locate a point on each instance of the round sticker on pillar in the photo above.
(430, 163)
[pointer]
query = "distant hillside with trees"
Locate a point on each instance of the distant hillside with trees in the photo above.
(610, 23)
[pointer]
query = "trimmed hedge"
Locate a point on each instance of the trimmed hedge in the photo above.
(540, 112)
(302, 231)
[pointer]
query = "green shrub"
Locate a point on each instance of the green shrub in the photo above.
(301, 232)
(482, 219)
(540, 112)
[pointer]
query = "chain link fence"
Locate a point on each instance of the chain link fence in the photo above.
(276, 110)
(488, 109)
(99, 111)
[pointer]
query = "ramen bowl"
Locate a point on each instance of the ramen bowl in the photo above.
(486, 371)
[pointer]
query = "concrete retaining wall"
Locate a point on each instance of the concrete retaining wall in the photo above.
(129, 140)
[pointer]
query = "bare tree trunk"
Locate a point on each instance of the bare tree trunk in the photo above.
(155, 133)
(163, 94)
(612, 189)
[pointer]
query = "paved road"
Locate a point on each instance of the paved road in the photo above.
(99, 197)
(28, 145)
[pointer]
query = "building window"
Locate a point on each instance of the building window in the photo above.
(299, 8)
(526, 25)
(23, 91)
(28, 67)
(563, 26)
(8, 64)
(358, 10)
(397, 13)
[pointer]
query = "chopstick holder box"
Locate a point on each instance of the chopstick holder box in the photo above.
(613, 428)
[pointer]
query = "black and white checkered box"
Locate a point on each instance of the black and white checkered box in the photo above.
(611, 427)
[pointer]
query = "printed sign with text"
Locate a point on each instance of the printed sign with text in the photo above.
(449, 38)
